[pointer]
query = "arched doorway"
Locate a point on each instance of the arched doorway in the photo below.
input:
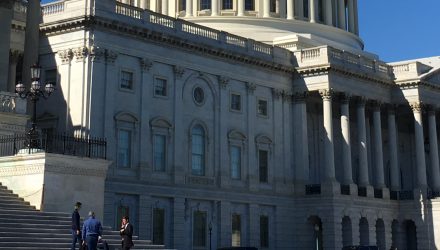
(347, 237)
(363, 231)
(315, 226)
(380, 234)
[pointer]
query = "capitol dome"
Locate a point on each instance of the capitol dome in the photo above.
(291, 24)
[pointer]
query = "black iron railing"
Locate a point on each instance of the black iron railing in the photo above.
(313, 189)
(394, 195)
(345, 189)
(54, 143)
(362, 191)
(406, 195)
(378, 193)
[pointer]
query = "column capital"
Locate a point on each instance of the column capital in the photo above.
(391, 108)
(417, 106)
(277, 93)
(361, 100)
(65, 56)
(344, 97)
(223, 81)
(251, 87)
(14, 55)
(178, 71)
(376, 104)
(431, 109)
(145, 64)
(326, 94)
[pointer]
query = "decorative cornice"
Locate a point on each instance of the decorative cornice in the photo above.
(326, 94)
(80, 53)
(417, 106)
(277, 93)
(223, 81)
(361, 100)
(145, 64)
(65, 56)
(376, 104)
(111, 56)
(250, 86)
(287, 95)
(96, 53)
(178, 71)
(300, 97)
(14, 55)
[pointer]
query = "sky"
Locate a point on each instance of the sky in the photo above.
(398, 30)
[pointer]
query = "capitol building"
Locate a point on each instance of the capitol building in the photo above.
(228, 123)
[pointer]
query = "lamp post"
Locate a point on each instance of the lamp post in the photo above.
(34, 93)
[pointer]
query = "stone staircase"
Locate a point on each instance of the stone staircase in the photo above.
(24, 227)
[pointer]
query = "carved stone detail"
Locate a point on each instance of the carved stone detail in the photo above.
(179, 71)
(416, 106)
(277, 93)
(66, 56)
(111, 56)
(326, 94)
(299, 97)
(96, 53)
(14, 55)
(344, 98)
(146, 64)
(251, 87)
(361, 101)
(80, 53)
(287, 95)
(223, 81)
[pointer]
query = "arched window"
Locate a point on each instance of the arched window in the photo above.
(249, 5)
(205, 4)
(198, 150)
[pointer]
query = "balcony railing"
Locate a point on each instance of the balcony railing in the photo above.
(54, 143)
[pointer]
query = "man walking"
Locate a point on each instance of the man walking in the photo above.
(92, 230)
(76, 229)
(126, 233)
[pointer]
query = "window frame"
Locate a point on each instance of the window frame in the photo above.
(163, 226)
(266, 115)
(121, 73)
(203, 3)
(130, 148)
(161, 126)
(231, 95)
(240, 163)
(266, 179)
(156, 78)
(205, 227)
(165, 152)
(233, 244)
(230, 2)
(204, 150)
(267, 234)
(246, 5)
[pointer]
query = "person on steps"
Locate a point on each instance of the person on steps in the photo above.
(91, 231)
(76, 229)
(126, 233)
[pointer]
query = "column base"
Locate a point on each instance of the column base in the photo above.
(330, 188)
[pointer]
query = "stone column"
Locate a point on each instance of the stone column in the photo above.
(32, 37)
(5, 41)
(328, 13)
(165, 7)
(341, 15)
(346, 146)
(392, 138)
(266, 10)
(214, 7)
(252, 167)
(224, 177)
(362, 140)
(351, 26)
(144, 4)
(13, 59)
(290, 9)
(282, 8)
(378, 153)
(420, 147)
(299, 4)
(189, 8)
(328, 139)
(240, 8)
(433, 151)
(300, 140)
(356, 21)
(312, 11)
(225, 224)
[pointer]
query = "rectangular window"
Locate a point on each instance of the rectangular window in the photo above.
(236, 230)
(235, 153)
(249, 5)
(264, 231)
(160, 87)
(273, 6)
(227, 5)
(236, 102)
(182, 5)
(126, 80)
(124, 148)
(159, 226)
(51, 76)
(159, 152)
(306, 8)
(262, 107)
(262, 165)
(199, 229)
(205, 4)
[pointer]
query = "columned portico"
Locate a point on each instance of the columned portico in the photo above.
(346, 145)
(378, 153)
(329, 172)
(189, 8)
(214, 7)
(165, 7)
(266, 8)
(363, 180)
(433, 151)
(420, 147)
(328, 13)
(5, 27)
(13, 60)
(392, 138)
(341, 14)
(351, 16)
(290, 9)
(240, 8)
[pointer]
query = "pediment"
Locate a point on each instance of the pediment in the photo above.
(126, 117)
(161, 122)
(263, 139)
(237, 135)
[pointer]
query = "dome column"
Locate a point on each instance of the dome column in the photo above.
(351, 16)
(290, 9)
(433, 150)
(165, 7)
(362, 143)
(328, 13)
(420, 146)
(312, 11)
(341, 14)
(240, 8)
(392, 138)
(214, 7)
(266, 8)
(189, 8)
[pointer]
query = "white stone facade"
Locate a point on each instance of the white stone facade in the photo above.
(342, 134)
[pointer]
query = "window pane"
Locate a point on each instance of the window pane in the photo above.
(273, 6)
(249, 5)
(205, 4)
(124, 148)
(182, 5)
(126, 80)
(262, 107)
(262, 162)
(235, 162)
(199, 229)
(198, 151)
(159, 152)
(264, 231)
(235, 102)
(236, 230)
(306, 8)
(227, 5)
(51, 76)
(160, 87)
(159, 226)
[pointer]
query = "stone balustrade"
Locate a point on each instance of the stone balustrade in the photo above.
(409, 70)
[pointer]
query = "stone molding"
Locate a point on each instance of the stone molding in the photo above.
(65, 56)
(223, 81)
(250, 86)
(178, 71)
(417, 107)
(287, 96)
(67, 169)
(21, 169)
(80, 53)
(111, 56)
(14, 55)
(361, 101)
(326, 94)
(145, 64)
(300, 97)
(345, 98)
(96, 53)
(277, 93)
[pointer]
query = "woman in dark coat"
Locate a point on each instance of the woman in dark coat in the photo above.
(126, 233)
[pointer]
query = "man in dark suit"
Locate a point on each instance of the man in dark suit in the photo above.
(126, 233)
(76, 234)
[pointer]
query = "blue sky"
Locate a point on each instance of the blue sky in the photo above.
(398, 30)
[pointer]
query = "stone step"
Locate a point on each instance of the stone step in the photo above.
(11, 216)
(16, 206)
(37, 213)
